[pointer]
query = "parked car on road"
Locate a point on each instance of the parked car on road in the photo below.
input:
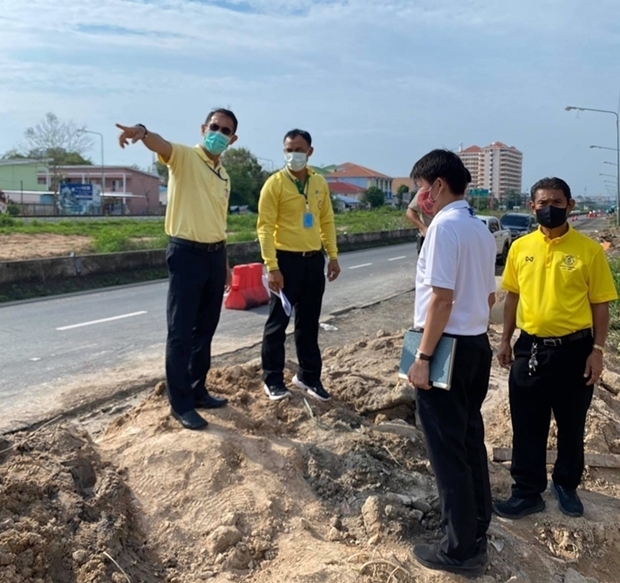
(502, 237)
(518, 224)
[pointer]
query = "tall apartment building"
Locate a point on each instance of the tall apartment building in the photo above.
(496, 167)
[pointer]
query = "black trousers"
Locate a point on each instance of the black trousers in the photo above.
(556, 385)
(197, 279)
(454, 432)
(420, 242)
(304, 285)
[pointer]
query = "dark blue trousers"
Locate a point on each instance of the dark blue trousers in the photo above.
(197, 279)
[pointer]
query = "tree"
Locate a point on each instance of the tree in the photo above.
(400, 193)
(57, 143)
(374, 196)
(247, 177)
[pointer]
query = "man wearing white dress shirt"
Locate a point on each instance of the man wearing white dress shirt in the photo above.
(455, 289)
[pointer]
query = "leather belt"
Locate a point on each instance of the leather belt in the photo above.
(302, 253)
(554, 342)
(209, 247)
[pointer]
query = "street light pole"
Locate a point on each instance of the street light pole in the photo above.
(609, 111)
(83, 131)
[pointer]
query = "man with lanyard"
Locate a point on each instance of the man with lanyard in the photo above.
(198, 192)
(419, 212)
(559, 287)
(295, 218)
(455, 289)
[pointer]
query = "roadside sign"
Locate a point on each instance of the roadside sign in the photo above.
(77, 199)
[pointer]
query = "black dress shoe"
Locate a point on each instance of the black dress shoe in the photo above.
(209, 402)
(515, 508)
(190, 420)
(568, 500)
(432, 557)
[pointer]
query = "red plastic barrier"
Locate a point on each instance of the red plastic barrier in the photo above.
(236, 298)
(257, 294)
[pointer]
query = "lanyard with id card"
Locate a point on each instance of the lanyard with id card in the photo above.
(308, 218)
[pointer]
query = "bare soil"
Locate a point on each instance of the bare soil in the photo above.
(295, 491)
(20, 246)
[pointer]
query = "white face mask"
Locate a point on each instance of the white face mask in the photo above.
(296, 161)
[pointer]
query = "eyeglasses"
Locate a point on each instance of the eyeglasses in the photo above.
(216, 128)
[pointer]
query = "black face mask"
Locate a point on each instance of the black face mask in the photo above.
(551, 216)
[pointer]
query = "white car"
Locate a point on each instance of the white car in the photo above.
(502, 237)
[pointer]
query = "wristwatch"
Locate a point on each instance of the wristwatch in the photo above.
(146, 132)
(599, 347)
(421, 356)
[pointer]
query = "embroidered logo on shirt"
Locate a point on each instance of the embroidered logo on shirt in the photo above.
(529, 259)
(568, 262)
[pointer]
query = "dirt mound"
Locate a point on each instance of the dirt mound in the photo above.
(66, 515)
(293, 491)
(19, 246)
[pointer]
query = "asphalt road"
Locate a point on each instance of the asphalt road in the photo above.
(59, 351)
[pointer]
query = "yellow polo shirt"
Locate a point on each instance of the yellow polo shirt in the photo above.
(557, 280)
(281, 210)
(198, 195)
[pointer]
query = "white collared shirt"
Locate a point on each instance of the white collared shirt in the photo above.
(459, 254)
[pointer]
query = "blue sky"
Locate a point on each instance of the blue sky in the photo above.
(377, 82)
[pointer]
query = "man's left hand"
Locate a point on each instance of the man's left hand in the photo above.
(418, 375)
(594, 367)
(333, 269)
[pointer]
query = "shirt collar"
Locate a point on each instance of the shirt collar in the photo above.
(457, 204)
(557, 240)
(201, 152)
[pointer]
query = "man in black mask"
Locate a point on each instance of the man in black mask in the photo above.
(559, 287)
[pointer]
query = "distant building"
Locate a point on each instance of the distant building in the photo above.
(126, 190)
(21, 175)
(496, 167)
(361, 177)
(406, 181)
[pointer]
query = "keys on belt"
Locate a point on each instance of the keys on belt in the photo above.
(533, 363)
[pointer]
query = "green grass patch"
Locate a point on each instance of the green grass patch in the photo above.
(111, 235)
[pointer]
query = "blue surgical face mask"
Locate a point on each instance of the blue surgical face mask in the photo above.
(216, 142)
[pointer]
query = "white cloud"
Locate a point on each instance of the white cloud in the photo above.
(378, 81)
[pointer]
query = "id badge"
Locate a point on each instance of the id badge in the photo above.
(308, 220)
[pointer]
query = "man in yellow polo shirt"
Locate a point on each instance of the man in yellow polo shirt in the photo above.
(296, 219)
(198, 192)
(559, 287)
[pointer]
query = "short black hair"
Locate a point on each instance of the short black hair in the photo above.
(297, 132)
(443, 164)
(551, 183)
(225, 112)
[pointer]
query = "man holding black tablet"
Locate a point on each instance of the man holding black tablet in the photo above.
(455, 289)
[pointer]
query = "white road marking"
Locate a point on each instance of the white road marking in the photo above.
(102, 320)
(361, 265)
(397, 258)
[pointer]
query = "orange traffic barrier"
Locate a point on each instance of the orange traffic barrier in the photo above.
(247, 290)
(257, 294)
(236, 300)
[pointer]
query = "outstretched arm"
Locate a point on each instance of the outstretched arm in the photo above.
(152, 141)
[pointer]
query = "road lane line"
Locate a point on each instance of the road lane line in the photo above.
(121, 317)
(397, 258)
(360, 265)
